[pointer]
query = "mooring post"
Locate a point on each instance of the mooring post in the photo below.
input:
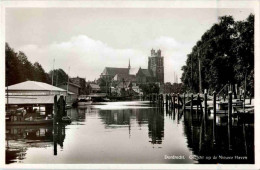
(191, 103)
(55, 110)
(229, 119)
(250, 99)
(205, 105)
(170, 100)
(178, 98)
(183, 101)
(244, 104)
(161, 100)
(198, 99)
(174, 101)
(166, 98)
(55, 136)
(214, 117)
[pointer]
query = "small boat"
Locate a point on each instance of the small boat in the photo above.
(246, 110)
(31, 122)
(195, 103)
(66, 119)
(84, 101)
(106, 99)
(68, 106)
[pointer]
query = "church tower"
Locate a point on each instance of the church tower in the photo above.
(129, 66)
(156, 66)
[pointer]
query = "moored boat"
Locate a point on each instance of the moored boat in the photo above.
(83, 101)
(66, 119)
(31, 122)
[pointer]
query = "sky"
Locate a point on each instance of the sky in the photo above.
(87, 40)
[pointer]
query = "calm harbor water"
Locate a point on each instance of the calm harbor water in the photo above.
(131, 132)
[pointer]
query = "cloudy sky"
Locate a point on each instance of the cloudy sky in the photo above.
(89, 39)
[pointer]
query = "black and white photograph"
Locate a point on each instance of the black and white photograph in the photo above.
(134, 85)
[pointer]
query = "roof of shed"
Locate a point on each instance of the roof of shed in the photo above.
(34, 85)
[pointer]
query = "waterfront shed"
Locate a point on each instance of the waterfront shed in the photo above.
(32, 94)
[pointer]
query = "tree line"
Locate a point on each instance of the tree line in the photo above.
(20, 69)
(225, 55)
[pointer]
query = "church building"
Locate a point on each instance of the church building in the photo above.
(154, 73)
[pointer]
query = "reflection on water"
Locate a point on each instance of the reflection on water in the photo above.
(131, 132)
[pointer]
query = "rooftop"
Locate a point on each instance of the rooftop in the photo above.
(146, 72)
(113, 71)
(94, 86)
(34, 86)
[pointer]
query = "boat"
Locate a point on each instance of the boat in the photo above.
(66, 119)
(195, 103)
(106, 99)
(245, 110)
(68, 106)
(84, 101)
(31, 122)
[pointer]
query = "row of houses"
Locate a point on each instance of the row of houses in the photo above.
(42, 93)
(79, 86)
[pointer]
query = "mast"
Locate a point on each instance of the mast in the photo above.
(52, 72)
(57, 78)
(191, 74)
(7, 93)
(200, 84)
(68, 82)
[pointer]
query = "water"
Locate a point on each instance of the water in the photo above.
(130, 132)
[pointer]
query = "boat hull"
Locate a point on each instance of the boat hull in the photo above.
(84, 103)
(35, 122)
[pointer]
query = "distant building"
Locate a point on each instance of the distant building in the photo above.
(73, 90)
(81, 82)
(154, 73)
(144, 76)
(33, 94)
(93, 88)
(156, 66)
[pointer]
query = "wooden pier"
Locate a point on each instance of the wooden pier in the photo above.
(210, 105)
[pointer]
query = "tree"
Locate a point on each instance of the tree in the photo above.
(59, 76)
(225, 52)
(12, 73)
(243, 49)
(20, 69)
(39, 73)
(149, 88)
